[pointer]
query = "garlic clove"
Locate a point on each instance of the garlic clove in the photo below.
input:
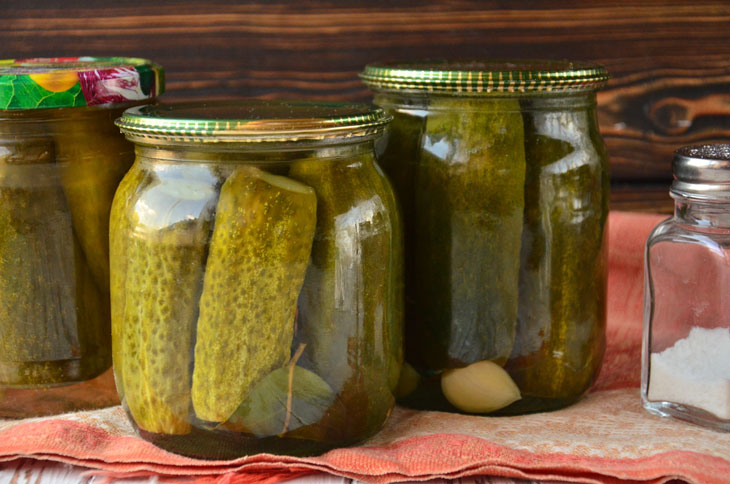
(408, 381)
(481, 387)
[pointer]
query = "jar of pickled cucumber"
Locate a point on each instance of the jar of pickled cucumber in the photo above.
(61, 159)
(503, 181)
(256, 277)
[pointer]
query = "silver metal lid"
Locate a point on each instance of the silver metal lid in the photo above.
(702, 172)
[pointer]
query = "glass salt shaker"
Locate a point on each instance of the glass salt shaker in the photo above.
(686, 348)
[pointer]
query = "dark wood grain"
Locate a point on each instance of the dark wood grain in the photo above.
(642, 197)
(645, 116)
(670, 59)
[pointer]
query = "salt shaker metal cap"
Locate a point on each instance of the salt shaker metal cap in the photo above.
(702, 172)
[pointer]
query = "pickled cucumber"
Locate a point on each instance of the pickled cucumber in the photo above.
(93, 339)
(93, 157)
(258, 257)
(561, 325)
(165, 252)
(93, 320)
(38, 314)
(400, 160)
(120, 224)
(469, 190)
(350, 282)
(393, 326)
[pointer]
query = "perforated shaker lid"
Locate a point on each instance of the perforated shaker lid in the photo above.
(702, 172)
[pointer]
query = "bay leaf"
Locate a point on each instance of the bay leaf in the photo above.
(286, 399)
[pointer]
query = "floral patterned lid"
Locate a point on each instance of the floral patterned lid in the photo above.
(64, 82)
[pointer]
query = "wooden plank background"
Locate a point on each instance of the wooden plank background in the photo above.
(670, 59)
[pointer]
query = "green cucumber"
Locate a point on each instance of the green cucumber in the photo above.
(259, 253)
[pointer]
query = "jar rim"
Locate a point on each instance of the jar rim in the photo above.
(66, 82)
(487, 76)
(252, 121)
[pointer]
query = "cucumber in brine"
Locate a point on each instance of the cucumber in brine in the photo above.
(399, 161)
(259, 253)
(351, 294)
(93, 158)
(561, 326)
(94, 318)
(38, 316)
(393, 326)
(470, 196)
(167, 231)
(120, 224)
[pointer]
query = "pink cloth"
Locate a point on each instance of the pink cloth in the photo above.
(605, 438)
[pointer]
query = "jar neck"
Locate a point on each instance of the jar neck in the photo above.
(701, 214)
(561, 101)
(23, 124)
(251, 153)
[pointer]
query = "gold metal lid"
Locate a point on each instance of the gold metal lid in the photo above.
(252, 121)
(485, 76)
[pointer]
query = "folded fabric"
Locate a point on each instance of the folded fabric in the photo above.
(605, 438)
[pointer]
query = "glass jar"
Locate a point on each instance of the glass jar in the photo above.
(686, 352)
(256, 277)
(61, 159)
(503, 181)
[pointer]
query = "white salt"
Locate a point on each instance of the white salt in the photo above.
(695, 372)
